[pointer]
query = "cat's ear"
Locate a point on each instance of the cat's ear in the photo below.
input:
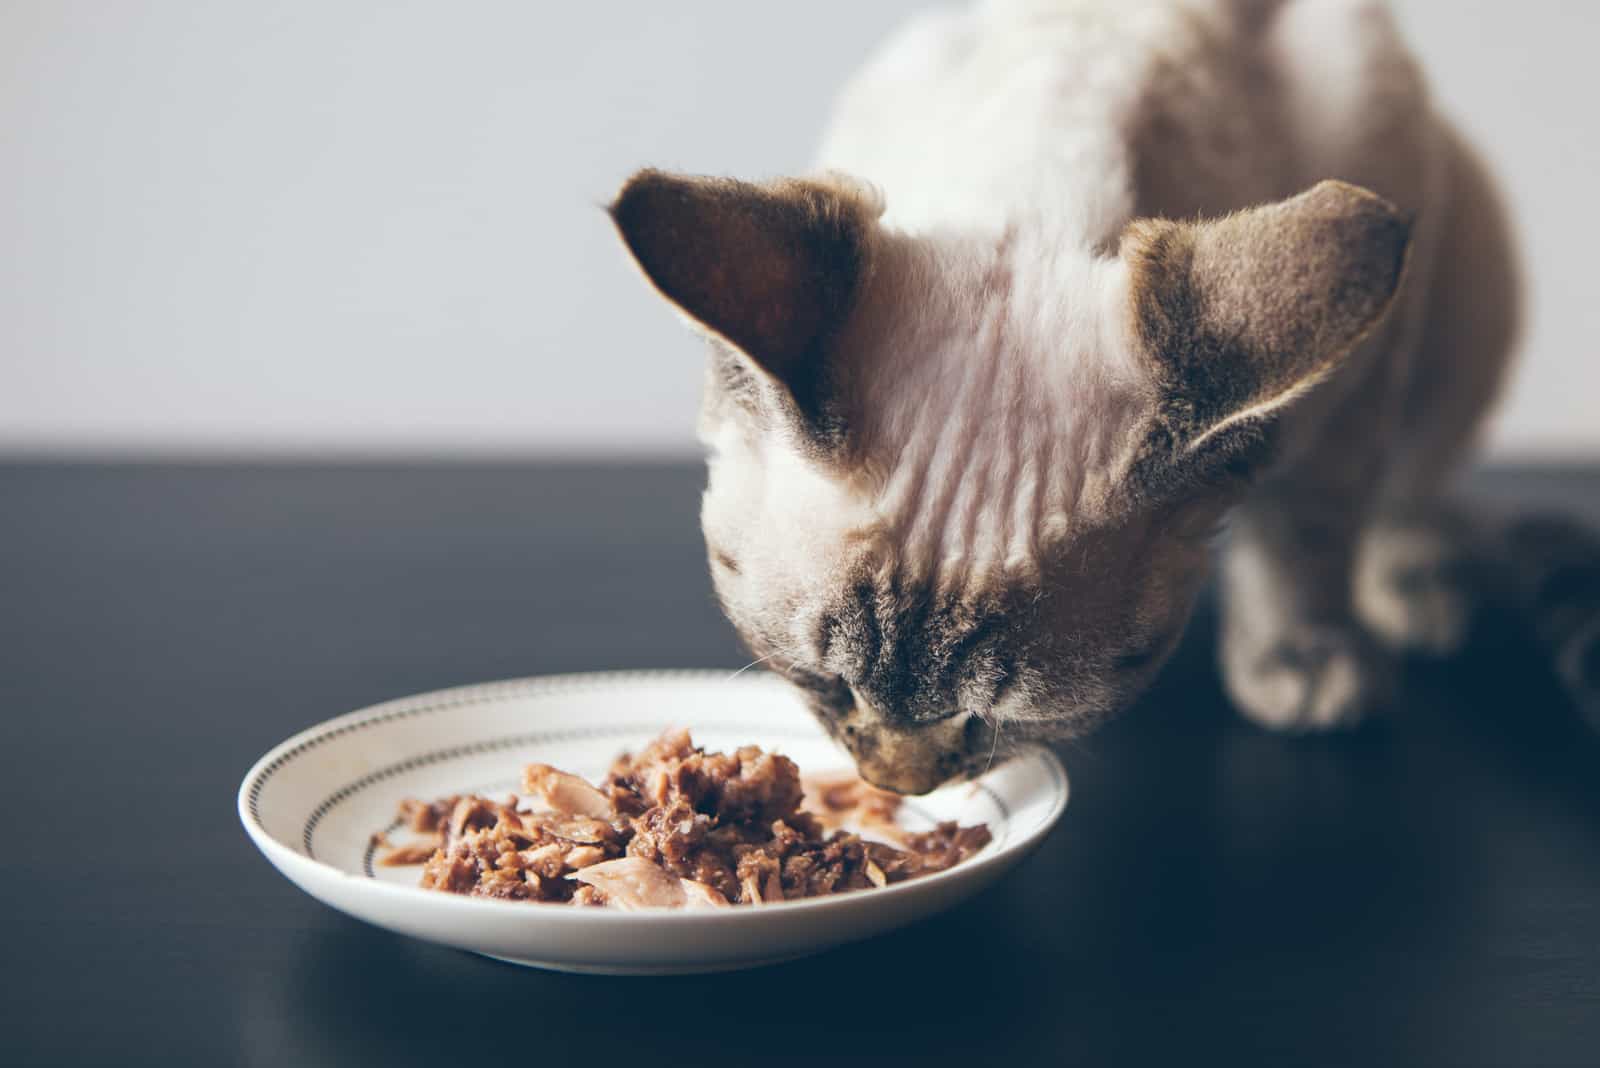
(772, 270)
(1237, 317)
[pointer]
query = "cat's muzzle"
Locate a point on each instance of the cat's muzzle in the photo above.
(916, 757)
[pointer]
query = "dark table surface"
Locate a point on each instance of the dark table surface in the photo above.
(1427, 893)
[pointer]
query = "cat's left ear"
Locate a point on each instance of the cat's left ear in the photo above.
(772, 270)
(1238, 318)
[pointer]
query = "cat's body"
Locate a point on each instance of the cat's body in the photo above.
(967, 456)
(1061, 121)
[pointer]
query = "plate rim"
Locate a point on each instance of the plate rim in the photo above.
(287, 859)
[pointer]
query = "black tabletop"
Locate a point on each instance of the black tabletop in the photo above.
(1427, 893)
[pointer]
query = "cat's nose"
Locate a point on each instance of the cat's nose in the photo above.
(908, 758)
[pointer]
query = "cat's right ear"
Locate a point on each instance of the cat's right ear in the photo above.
(771, 270)
(1237, 318)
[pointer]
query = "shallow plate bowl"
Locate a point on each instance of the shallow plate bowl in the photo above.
(313, 803)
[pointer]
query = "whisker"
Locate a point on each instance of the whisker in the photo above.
(747, 667)
(995, 746)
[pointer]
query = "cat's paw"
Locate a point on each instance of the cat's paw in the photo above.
(1308, 678)
(1416, 587)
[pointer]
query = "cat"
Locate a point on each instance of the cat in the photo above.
(1076, 283)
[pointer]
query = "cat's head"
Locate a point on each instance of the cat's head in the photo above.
(961, 488)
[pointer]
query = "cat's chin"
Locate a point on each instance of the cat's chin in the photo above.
(913, 758)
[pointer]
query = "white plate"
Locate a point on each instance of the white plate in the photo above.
(312, 804)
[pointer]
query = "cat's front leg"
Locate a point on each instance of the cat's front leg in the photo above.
(1294, 657)
(1419, 578)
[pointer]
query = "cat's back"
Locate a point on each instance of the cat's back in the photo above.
(1092, 111)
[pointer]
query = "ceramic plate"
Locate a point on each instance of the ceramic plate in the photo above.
(313, 804)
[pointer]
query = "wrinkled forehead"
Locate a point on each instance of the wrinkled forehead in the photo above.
(968, 433)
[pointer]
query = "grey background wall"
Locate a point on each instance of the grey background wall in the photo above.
(373, 228)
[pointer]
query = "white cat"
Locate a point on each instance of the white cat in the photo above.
(1078, 279)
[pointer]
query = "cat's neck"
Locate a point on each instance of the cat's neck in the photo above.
(1066, 117)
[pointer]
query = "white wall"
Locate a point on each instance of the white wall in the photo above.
(375, 227)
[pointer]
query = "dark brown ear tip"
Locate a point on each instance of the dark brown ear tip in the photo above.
(1368, 220)
(1343, 197)
(1337, 189)
(1389, 234)
(627, 196)
(1400, 227)
(1386, 225)
(1385, 216)
(642, 190)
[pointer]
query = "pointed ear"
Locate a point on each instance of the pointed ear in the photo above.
(772, 270)
(1239, 316)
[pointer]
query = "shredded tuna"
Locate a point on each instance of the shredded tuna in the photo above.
(426, 815)
(840, 799)
(631, 883)
(676, 827)
(566, 793)
(404, 855)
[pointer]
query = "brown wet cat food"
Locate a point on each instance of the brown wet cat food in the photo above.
(676, 827)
